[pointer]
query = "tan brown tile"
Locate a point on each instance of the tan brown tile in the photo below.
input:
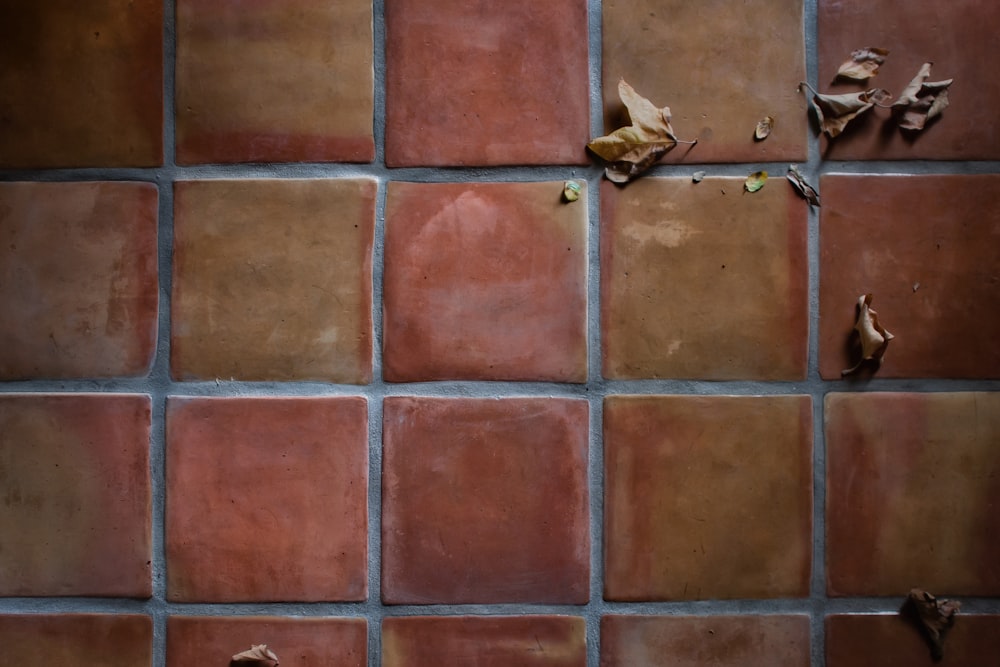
(78, 283)
(82, 84)
(273, 280)
(707, 497)
(485, 501)
(886, 640)
(76, 640)
(912, 489)
(274, 81)
(267, 499)
(74, 479)
(485, 281)
(703, 280)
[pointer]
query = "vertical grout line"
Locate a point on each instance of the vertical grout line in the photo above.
(373, 606)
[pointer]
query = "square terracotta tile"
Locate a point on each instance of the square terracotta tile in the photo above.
(480, 83)
(925, 248)
(76, 640)
(912, 492)
(694, 641)
(74, 478)
(707, 497)
(267, 499)
(703, 281)
(298, 642)
(273, 280)
(485, 501)
(484, 281)
(720, 65)
(274, 81)
(958, 37)
(82, 84)
(78, 281)
(484, 641)
(886, 640)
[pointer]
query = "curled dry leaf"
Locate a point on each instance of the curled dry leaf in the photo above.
(874, 337)
(836, 111)
(755, 181)
(764, 127)
(631, 150)
(863, 64)
(921, 100)
(571, 191)
(698, 176)
(934, 618)
(800, 185)
(258, 655)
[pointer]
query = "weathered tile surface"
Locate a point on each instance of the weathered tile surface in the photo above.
(707, 497)
(273, 280)
(925, 248)
(485, 281)
(869, 640)
(274, 81)
(485, 501)
(478, 83)
(267, 499)
(76, 640)
(703, 280)
(78, 284)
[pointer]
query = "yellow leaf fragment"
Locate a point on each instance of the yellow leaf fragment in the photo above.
(571, 191)
(763, 129)
(799, 183)
(874, 337)
(258, 655)
(755, 181)
(921, 100)
(863, 64)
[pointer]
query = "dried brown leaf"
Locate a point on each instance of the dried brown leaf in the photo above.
(258, 655)
(863, 64)
(763, 129)
(799, 183)
(836, 111)
(934, 618)
(874, 337)
(921, 100)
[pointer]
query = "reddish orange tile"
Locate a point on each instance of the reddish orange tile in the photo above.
(267, 499)
(484, 641)
(958, 37)
(925, 247)
(703, 281)
(74, 478)
(869, 640)
(82, 84)
(76, 640)
(78, 283)
(274, 81)
(478, 83)
(273, 280)
(720, 65)
(298, 642)
(693, 641)
(485, 281)
(912, 491)
(485, 500)
(707, 497)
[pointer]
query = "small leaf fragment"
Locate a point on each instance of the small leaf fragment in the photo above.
(698, 176)
(571, 191)
(764, 127)
(933, 617)
(836, 111)
(258, 655)
(863, 64)
(755, 181)
(874, 337)
(921, 100)
(799, 183)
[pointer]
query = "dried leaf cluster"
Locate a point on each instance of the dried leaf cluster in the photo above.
(934, 618)
(874, 337)
(258, 655)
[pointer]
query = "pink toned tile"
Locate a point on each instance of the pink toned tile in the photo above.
(74, 478)
(869, 640)
(273, 280)
(912, 489)
(485, 281)
(82, 84)
(298, 642)
(484, 641)
(707, 497)
(485, 501)
(720, 65)
(76, 640)
(694, 641)
(78, 283)
(958, 37)
(267, 499)
(478, 83)
(703, 280)
(925, 248)
(274, 81)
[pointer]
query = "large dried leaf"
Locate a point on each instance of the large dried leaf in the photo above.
(934, 618)
(258, 655)
(874, 337)
(921, 100)
(863, 64)
(836, 111)
(800, 185)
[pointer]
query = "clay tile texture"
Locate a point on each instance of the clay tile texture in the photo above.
(76, 640)
(82, 83)
(480, 83)
(274, 81)
(267, 499)
(273, 280)
(485, 281)
(703, 281)
(76, 499)
(707, 497)
(78, 279)
(485, 501)
(869, 640)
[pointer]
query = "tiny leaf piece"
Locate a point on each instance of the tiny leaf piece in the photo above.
(933, 617)
(836, 111)
(800, 185)
(631, 150)
(755, 181)
(874, 337)
(698, 176)
(764, 127)
(863, 64)
(258, 655)
(571, 191)
(921, 100)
